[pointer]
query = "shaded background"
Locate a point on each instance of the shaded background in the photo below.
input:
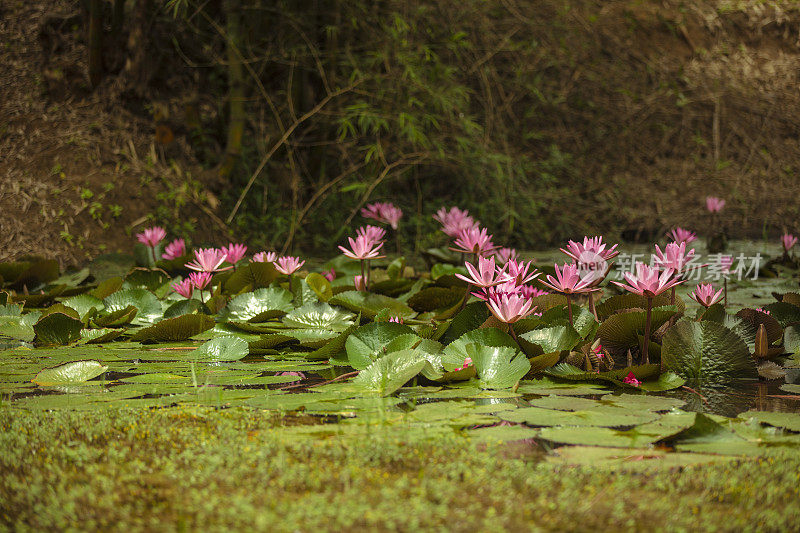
(548, 120)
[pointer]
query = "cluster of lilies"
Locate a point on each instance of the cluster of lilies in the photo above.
(495, 274)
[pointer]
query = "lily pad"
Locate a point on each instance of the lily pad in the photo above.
(706, 353)
(370, 305)
(148, 306)
(57, 329)
(221, 349)
(369, 342)
(174, 329)
(498, 367)
(319, 316)
(262, 303)
(390, 372)
(70, 373)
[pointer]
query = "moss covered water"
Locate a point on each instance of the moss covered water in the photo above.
(317, 365)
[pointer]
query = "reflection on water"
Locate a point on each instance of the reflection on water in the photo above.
(730, 401)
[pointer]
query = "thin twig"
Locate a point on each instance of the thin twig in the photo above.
(303, 386)
(705, 401)
(283, 139)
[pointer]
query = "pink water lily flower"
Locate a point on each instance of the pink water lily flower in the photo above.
(529, 291)
(288, 264)
(200, 280)
(568, 280)
(704, 295)
(521, 272)
(373, 234)
(682, 235)
(234, 252)
(673, 257)
(208, 260)
(454, 221)
(486, 275)
(362, 248)
(174, 250)
(630, 379)
(788, 241)
(649, 281)
(185, 288)
(581, 252)
(714, 204)
(265, 257)
(385, 212)
(509, 308)
(330, 275)
(504, 255)
(360, 283)
(152, 236)
(474, 240)
(396, 319)
(467, 362)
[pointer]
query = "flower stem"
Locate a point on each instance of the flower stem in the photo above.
(569, 307)
(592, 307)
(514, 335)
(363, 279)
(672, 297)
(153, 253)
(646, 347)
(725, 292)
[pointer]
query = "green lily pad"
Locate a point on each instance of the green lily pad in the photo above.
(221, 349)
(553, 338)
(117, 318)
(57, 329)
(622, 330)
(369, 342)
(149, 308)
(390, 372)
(174, 329)
(370, 305)
(498, 367)
(455, 353)
(250, 277)
(70, 373)
(319, 316)
(83, 304)
(260, 304)
(706, 353)
(790, 421)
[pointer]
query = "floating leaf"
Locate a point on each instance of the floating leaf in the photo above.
(390, 372)
(250, 277)
(119, 317)
(83, 304)
(221, 349)
(455, 353)
(790, 421)
(259, 305)
(370, 305)
(498, 367)
(468, 319)
(148, 306)
(622, 330)
(368, 343)
(179, 328)
(432, 298)
(69, 373)
(97, 336)
(320, 285)
(553, 338)
(319, 316)
(706, 353)
(183, 307)
(57, 329)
